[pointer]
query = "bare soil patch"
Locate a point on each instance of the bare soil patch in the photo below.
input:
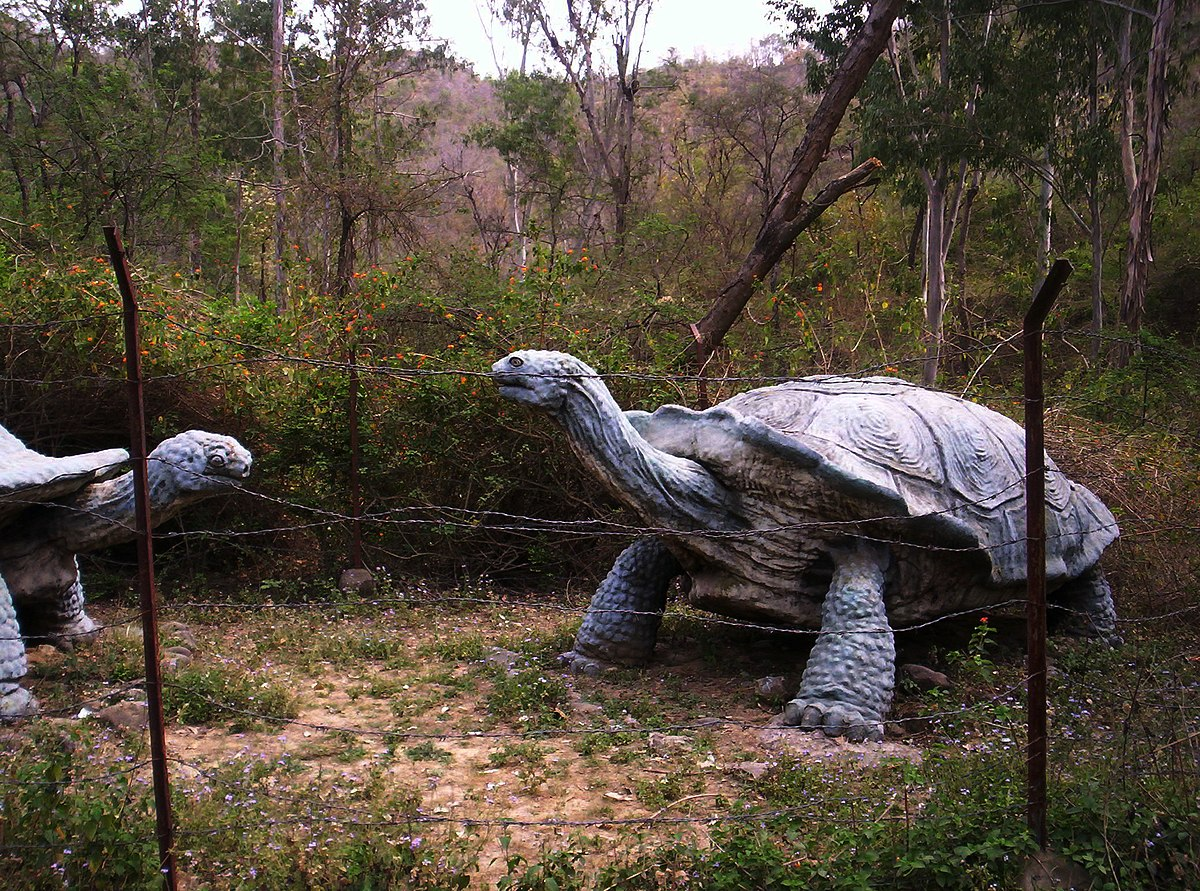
(464, 714)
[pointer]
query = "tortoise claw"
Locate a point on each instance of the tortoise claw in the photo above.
(833, 719)
(581, 664)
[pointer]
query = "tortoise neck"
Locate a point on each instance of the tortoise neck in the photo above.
(103, 514)
(664, 489)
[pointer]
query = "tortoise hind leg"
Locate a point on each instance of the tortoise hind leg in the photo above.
(847, 685)
(1084, 607)
(622, 621)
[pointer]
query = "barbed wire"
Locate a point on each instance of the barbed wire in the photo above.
(270, 354)
(592, 527)
(1175, 698)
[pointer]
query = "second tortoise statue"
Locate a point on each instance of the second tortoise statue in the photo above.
(830, 503)
(54, 508)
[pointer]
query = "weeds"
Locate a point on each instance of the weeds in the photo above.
(532, 698)
(428, 751)
(217, 695)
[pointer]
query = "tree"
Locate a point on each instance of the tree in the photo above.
(757, 106)
(1145, 126)
(610, 116)
(93, 127)
(359, 100)
(536, 140)
(789, 214)
(277, 150)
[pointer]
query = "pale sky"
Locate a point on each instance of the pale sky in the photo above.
(715, 28)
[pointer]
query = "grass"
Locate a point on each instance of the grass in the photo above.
(515, 754)
(532, 698)
(226, 695)
(443, 746)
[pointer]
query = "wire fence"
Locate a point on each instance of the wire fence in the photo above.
(400, 746)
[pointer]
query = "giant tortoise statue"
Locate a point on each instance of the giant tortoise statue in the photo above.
(830, 503)
(54, 508)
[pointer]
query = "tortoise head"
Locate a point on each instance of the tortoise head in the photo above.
(198, 462)
(541, 378)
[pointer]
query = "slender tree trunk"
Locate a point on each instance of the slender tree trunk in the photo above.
(1097, 237)
(1045, 213)
(277, 153)
(960, 273)
(517, 218)
(915, 236)
(346, 252)
(12, 92)
(195, 256)
(789, 214)
(1095, 221)
(935, 271)
(1142, 184)
(239, 219)
(343, 136)
(627, 85)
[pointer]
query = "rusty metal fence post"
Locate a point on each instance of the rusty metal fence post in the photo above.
(1035, 530)
(164, 820)
(356, 547)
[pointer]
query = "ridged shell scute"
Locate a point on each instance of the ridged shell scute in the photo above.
(943, 458)
(28, 477)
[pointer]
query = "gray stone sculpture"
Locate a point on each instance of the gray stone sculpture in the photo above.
(828, 502)
(54, 508)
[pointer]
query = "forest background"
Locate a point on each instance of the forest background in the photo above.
(337, 227)
(299, 185)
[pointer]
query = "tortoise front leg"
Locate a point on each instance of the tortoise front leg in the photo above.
(15, 701)
(48, 594)
(622, 620)
(847, 685)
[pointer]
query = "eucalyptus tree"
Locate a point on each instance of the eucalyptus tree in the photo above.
(537, 138)
(1147, 46)
(607, 89)
(360, 123)
(1069, 109)
(247, 102)
(977, 85)
(929, 113)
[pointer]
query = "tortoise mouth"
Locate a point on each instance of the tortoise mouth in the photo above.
(512, 387)
(236, 469)
(513, 384)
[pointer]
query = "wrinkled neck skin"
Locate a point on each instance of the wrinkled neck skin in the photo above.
(103, 514)
(672, 492)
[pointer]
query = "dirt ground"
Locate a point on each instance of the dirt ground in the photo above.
(462, 707)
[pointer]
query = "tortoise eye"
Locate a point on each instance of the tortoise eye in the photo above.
(516, 361)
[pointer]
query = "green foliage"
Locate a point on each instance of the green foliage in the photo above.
(428, 751)
(538, 131)
(974, 659)
(280, 839)
(524, 752)
(661, 792)
(63, 826)
(531, 697)
(555, 871)
(463, 647)
(220, 695)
